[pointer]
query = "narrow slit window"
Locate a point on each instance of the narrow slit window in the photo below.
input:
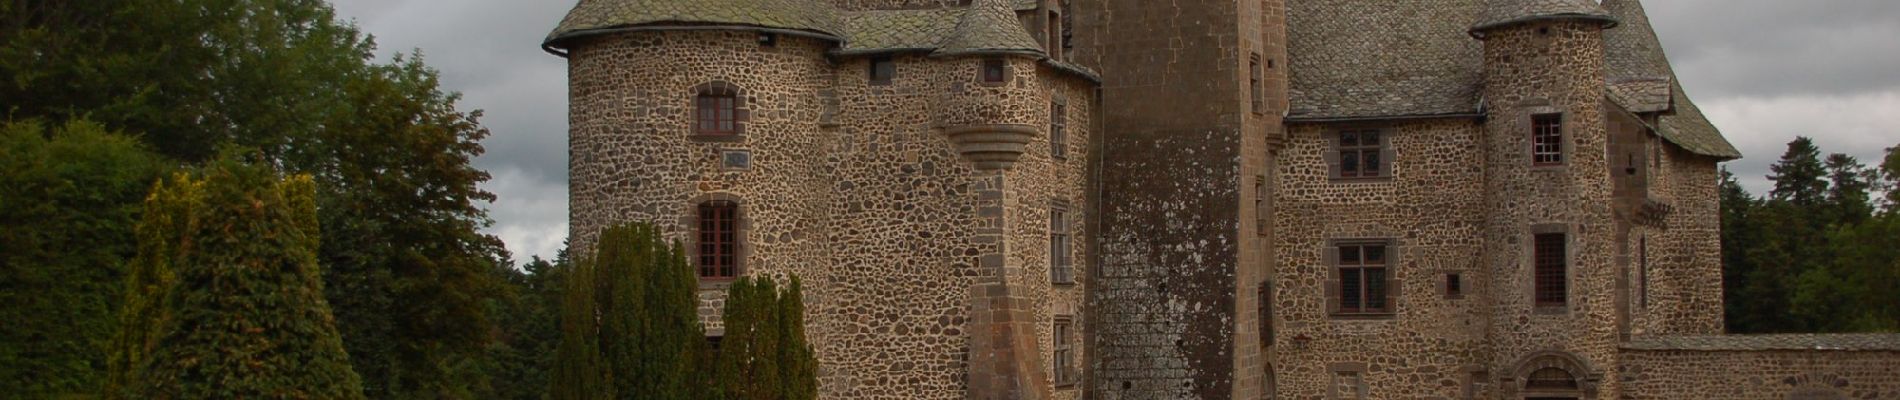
(1058, 131)
(1257, 86)
(1063, 363)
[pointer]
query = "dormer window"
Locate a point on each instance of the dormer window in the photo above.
(995, 71)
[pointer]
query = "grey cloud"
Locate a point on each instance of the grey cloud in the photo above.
(1765, 70)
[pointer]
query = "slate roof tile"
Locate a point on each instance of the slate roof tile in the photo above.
(1794, 342)
(1634, 53)
(1383, 58)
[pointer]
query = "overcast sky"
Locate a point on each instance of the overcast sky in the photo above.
(1764, 70)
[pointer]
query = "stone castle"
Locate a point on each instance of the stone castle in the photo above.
(1205, 199)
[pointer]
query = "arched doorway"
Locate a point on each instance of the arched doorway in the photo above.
(1552, 376)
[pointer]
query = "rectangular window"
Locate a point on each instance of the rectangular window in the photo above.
(718, 240)
(1064, 354)
(1454, 286)
(1055, 44)
(1256, 86)
(1362, 278)
(1361, 154)
(995, 70)
(1348, 385)
(1061, 267)
(1547, 139)
(1058, 131)
(1642, 270)
(717, 113)
(1552, 275)
(883, 70)
(1263, 212)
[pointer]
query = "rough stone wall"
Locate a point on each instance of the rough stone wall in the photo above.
(1537, 68)
(1262, 26)
(1685, 297)
(853, 188)
(1760, 375)
(633, 157)
(1433, 207)
(1163, 300)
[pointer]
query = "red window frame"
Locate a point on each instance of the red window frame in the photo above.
(718, 240)
(1362, 153)
(1547, 139)
(1363, 269)
(1552, 279)
(716, 112)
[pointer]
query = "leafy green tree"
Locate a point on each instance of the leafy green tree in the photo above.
(797, 361)
(408, 273)
(638, 336)
(243, 315)
(1738, 236)
(69, 198)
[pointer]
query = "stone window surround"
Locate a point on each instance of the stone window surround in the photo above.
(1354, 369)
(1528, 258)
(741, 113)
(1578, 368)
(690, 220)
(873, 77)
(1256, 85)
(1069, 216)
(1393, 285)
(1459, 292)
(983, 66)
(1388, 154)
(1073, 373)
(1523, 123)
(1059, 128)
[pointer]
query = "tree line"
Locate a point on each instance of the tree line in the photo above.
(239, 190)
(1820, 252)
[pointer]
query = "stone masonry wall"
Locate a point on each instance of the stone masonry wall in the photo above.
(853, 187)
(1760, 375)
(1537, 68)
(1432, 207)
(1163, 298)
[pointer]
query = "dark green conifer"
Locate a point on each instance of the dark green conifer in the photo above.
(244, 314)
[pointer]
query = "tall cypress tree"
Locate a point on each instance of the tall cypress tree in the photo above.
(244, 314)
(637, 331)
(797, 363)
(579, 371)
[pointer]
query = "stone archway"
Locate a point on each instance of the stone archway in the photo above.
(1551, 375)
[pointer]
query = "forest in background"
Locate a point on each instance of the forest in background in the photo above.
(1820, 252)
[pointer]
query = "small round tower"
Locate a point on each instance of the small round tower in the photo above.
(1550, 235)
(989, 106)
(702, 116)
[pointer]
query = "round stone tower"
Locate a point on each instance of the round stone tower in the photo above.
(704, 117)
(1549, 237)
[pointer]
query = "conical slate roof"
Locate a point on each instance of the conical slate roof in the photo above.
(990, 27)
(595, 16)
(1500, 13)
(1633, 54)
